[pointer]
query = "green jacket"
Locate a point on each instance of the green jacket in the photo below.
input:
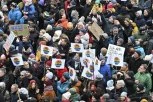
(145, 79)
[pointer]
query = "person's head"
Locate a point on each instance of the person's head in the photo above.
(41, 33)
(120, 84)
(142, 68)
(111, 19)
(126, 22)
(138, 13)
(2, 73)
(124, 68)
(32, 84)
(22, 74)
(92, 86)
(82, 31)
(103, 51)
(31, 28)
(146, 12)
(115, 30)
(88, 2)
(14, 88)
(64, 41)
(120, 42)
(24, 38)
(65, 77)
(13, 5)
(29, 72)
(2, 86)
(137, 54)
(48, 76)
(130, 74)
(26, 65)
(48, 64)
(76, 57)
(80, 25)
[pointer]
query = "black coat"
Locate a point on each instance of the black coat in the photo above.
(135, 64)
(130, 85)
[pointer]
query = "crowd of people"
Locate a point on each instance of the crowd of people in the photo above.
(58, 23)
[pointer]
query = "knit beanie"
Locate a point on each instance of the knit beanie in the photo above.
(110, 85)
(49, 75)
(66, 75)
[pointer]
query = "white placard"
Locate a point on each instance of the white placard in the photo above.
(89, 53)
(9, 41)
(46, 50)
(17, 60)
(76, 47)
(58, 63)
(72, 73)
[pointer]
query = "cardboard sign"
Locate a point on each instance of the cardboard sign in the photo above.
(58, 63)
(96, 30)
(20, 29)
(9, 41)
(46, 50)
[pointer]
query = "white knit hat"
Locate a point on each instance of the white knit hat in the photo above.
(139, 12)
(67, 95)
(2, 85)
(110, 85)
(47, 36)
(23, 91)
(124, 94)
(49, 27)
(49, 75)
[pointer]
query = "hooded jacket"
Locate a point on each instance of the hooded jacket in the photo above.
(15, 15)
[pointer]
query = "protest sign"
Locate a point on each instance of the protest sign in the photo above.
(17, 60)
(46, 50)
(58, 63)
(72, 73)
(115, 55)
(76, 47)
(96, 30)
(85, 61)
(9, 41)
(89, 53)
(87, 74)
(20, 29)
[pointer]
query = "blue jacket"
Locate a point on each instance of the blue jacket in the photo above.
(31, 10)
(62, 88)
(15, 15)
(105, 71)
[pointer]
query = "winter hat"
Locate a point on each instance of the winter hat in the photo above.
(67, 95)
(49, 75)
(49, 63)
(4, 8)
(140, 87)
(49, 27)
(2, 57)
(2, 86)
(138, 52)
(121, 83)
(47, 36)
(139, 12)
(131, 74)
(32, 81)
(32, 55)
(110, 85)
(57, 35)
(69, 25)
(110, 6)
(23, 91)
(66, 75)
(124, 94)
(28, 2)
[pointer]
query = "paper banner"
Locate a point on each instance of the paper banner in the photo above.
(85, 61)
(20, 29)
(97, 64)
(58, 63)
(46, 50)
(76, 47)
(17, 61)
(9, 41)
(89, 53)
(115, 55)
(72, 73)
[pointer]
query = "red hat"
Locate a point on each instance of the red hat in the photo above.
(109, 6)
(32, 81)
(49, 63)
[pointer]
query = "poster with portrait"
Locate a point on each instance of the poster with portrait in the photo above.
(76, 47)
(115, 55)
(89, 53)
(17, 60)
(87, 74)
(85, 61)
(46, 50)
(58, 63)
(72, 73)
(97, 64)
